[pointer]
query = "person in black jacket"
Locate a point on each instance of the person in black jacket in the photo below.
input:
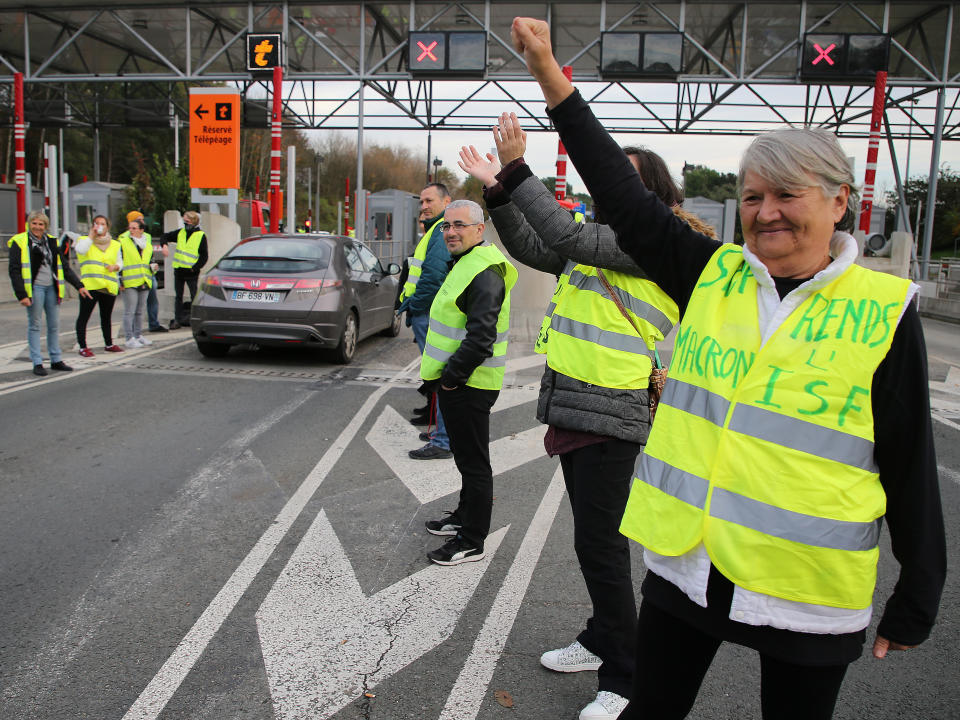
(188, 260)
(38, 270)
(797, 199)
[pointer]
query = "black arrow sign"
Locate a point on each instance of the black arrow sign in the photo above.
(200, 112)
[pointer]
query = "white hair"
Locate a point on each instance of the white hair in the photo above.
(475, 211)
(789, 158)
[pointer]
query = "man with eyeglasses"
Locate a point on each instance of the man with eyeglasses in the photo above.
(464, 361)
(427, 270)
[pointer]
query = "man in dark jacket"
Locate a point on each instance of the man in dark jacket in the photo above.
(38, 272)
(426, 272)
(188, 260)
(464, 362)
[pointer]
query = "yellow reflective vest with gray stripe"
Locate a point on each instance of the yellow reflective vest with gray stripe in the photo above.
(588, 338)
(188, 249)
(763, 451)
(136, 262)
(93, 267)
(448, 323)
(415, 263)
(22, 241)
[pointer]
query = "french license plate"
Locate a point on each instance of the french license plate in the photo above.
(256, 296)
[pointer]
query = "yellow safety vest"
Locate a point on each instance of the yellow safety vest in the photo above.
(447, 327)
(589, 339)
(764, 452)
(93, 267)
(22, 241)
(188, 249)
(136, 262)
(415, 263)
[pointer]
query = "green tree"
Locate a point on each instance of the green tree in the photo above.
(701, 181)
(946, 220)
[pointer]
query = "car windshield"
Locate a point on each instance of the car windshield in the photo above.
(281, 255)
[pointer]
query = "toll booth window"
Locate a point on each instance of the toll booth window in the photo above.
(85, 215)
(662, 53)
(468, 51)
(619, 52)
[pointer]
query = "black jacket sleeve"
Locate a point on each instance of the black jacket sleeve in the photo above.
(480, 302)
(671, 253)
(202, 255)
(903, 441)
(15, 268)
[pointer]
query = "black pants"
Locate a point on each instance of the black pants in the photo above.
(466, 411)
(180, 312)
(598, 483)
(105, 301)
(673, 658)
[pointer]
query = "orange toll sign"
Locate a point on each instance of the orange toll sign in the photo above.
(214, 138)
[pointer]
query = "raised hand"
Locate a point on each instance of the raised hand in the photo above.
(532, 38)
(484, 169)
(511, 139)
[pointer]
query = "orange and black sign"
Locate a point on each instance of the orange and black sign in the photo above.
(263, 51)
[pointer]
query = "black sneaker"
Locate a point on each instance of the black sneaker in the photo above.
(448, 525)
(456, 551)
(430, 452)
(61, 366)
(40, 370)
(159, 328)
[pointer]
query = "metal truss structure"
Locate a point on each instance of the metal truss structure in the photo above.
(121, 63)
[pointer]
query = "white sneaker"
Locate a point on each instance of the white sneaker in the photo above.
(144, 341)
(132, 343)
(573, 658)
(607, 706)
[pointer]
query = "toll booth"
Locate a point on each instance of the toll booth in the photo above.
(8, 211)
(392, 227)
(89, 199)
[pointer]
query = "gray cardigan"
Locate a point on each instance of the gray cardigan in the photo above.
(565, 402)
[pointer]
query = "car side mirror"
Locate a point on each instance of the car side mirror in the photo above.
(393, 269)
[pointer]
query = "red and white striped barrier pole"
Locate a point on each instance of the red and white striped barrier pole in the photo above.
(879, 100)
(560, 189)
(46, 179)
(275, 129)
(19, 137)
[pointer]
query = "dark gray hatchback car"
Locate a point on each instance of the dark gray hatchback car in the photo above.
(324, 291)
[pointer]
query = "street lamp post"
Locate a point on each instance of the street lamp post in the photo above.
(437, 162)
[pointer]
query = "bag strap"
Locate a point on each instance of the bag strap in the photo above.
(623, 311)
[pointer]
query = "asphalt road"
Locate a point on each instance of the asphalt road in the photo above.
(243, 538)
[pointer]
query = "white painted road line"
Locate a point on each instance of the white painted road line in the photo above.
(166, 682)
(326, 642)
(54, 376)
(472, 685)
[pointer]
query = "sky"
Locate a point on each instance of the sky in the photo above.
(719, 152)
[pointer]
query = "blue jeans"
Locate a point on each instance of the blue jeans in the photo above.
(419, 325)
(153, 307)
(44, 300)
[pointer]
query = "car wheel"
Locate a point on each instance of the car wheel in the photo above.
(394, 328)
(213, 350)
(348, 340)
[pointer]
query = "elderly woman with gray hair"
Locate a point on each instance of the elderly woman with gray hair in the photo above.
(795, 420)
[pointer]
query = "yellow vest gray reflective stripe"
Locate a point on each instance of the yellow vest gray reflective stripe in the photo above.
(136, 262)
(415, 263)
(93, 267)
(591, 340)
(764, 451)
(447, 327)
(188, 249)
(22, 241)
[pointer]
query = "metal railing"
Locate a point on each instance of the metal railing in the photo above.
(947, 276)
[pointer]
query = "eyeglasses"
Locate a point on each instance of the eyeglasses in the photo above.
(457, 225)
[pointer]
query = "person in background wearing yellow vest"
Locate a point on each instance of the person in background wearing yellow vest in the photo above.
(593, 395)
(137, 279)
(188, 260)
(426, 270)
(39, 273)
(100, 261)
(463, 362)
(795, 420)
